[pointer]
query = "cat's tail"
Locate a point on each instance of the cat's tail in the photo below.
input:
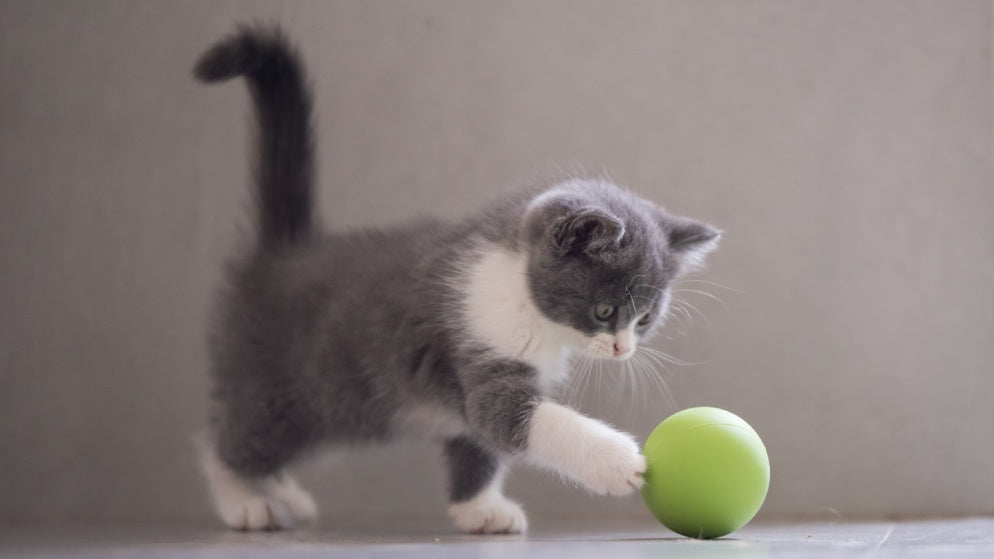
(285, 159)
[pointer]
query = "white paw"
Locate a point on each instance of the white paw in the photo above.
(489, 513)
(270, 503)
(584, 449)
(256, 513)
(614, 465)
(287, 490)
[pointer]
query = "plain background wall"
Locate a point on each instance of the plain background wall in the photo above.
(845, 147)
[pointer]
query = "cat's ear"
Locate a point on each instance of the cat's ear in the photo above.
(568, 224)
(590, 230)
(692, 241)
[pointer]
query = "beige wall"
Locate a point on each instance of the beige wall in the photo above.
(846, 147)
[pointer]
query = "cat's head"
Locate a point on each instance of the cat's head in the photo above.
(601, 262)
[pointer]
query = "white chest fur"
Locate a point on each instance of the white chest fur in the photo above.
(500, 313)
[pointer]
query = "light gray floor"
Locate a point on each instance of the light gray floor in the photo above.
(941, 538)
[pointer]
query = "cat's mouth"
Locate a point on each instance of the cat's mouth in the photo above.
(623, 354)
(609, 349)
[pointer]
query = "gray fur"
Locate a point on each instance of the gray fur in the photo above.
(285, 175)
(470, 468)
(335, 341)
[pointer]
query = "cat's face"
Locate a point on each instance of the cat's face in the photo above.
(601, 262)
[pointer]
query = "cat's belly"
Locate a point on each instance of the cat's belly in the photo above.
(430, 421)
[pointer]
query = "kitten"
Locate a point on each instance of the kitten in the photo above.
(458, 331)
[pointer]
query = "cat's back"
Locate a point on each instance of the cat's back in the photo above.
(359, 261)
(342, 290)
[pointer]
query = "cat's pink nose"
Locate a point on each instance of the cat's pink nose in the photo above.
(620, 349)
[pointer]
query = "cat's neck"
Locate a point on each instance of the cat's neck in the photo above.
(499, 312)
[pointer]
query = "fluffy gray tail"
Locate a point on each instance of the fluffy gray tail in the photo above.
(285, 160)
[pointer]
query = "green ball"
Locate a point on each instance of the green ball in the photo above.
(708, 472)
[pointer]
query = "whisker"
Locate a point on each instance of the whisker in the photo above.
(638, 393)
(587, 372)
(640, 366)
(681, 314)
(704, 294)
(578, 397)
(691, 305)
(677, 306)
(654, 378)
(574, 380)
(600, 378)
(625, 377)
(578, 381)
(711, 283)
(650, 286)
(635, 277)
(669, 358)
(648, 380)
(610, 384)
(658, 361)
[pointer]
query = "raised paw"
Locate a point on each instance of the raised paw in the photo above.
(586, 450)
(613, 465)
(489, 513)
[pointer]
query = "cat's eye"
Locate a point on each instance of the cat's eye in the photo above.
(645, 320)
(603, 311)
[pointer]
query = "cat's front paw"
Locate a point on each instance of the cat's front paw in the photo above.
(584, 449)
(613, 465)
(489, 513)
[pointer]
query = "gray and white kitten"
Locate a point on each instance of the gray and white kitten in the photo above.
(458, 331)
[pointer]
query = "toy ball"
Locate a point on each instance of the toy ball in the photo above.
(708, 473)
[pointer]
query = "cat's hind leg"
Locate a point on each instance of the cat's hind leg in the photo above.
(271, 502)
(285, 488)
(476, 479)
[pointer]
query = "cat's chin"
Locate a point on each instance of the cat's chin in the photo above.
(620, 358)
(608, 355)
